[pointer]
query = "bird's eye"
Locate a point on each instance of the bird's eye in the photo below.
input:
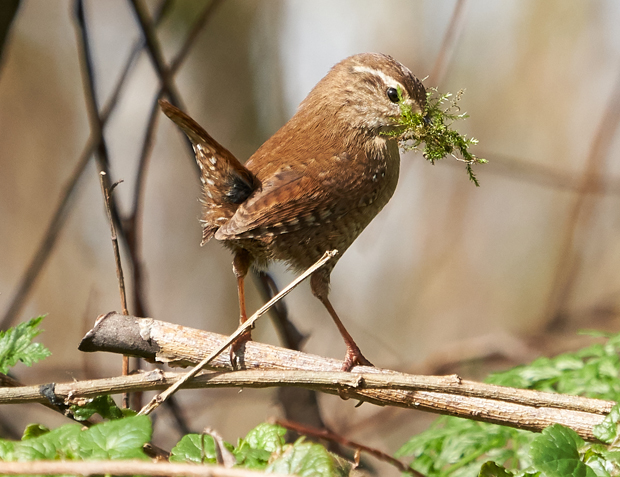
(392, 95)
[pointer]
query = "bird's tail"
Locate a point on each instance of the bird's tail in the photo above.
(226, 183)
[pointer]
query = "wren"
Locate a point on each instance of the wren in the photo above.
(316, 183)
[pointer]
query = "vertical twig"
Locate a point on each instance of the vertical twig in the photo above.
(64, 205)
(156, 54)
(106, 189)
(568, 252)
(448, 44)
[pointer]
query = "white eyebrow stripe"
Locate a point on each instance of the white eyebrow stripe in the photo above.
(388, 80)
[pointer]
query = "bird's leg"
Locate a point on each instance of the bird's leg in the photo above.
(320, 288)
(241, 265)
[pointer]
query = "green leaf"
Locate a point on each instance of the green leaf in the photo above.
(254, 452)
(103, 405)
(599, 465)
(196, 448)
(251, 458)
(556, 453)
(306, 459)
(118, 439)
(16, 345)
(265, 436)
(7, 450)
(34, 430)
(491, 469)
(607, 430)
(60, 443)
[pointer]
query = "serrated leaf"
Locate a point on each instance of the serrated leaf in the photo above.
(34, 430)
(607, 430)
(254, 452)
(60, 443)
(16, 345)
(556, 453)
(196, 448)
(103, 405)
(306, 459)
(269, 437)
(491, 469)
(598, 464)
(7, 450)
(119, 439)
(250, 458)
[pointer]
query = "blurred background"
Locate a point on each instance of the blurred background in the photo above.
(448, 278)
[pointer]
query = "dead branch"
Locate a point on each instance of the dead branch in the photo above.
(123, 467)
(273, 366)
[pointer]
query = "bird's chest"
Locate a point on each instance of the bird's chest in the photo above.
(376, 176)
(359, 189)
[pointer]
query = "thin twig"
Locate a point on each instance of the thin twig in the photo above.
(446, 51)
(519, 408)
(133, 222)
(290, 336)
(333, 437)
(531, 172)
(156, 54)
(576, 226)
(160, 398)
(102, 159)
(62, 209)
(9, 382)
(106, 190)
(197, 27)
(49, 239)
(123, 467)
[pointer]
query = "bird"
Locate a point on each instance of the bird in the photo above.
(316, 183)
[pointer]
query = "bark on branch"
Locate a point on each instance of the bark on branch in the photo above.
(268, 366)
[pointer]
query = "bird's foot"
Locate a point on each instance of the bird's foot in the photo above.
(237, 350)
(354, 357)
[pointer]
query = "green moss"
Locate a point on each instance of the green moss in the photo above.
(433, 128)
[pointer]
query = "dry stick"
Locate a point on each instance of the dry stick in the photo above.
(160, 398)
(133, 220)
(58, 219)
(155, 53)
(519, 408)
(106, 189)
(568, 252)
(102, 156)
(131, 234)
(544, 176)
(124, 467)
(299, 372)
(182, 346)
(8, 381)
(331, 436)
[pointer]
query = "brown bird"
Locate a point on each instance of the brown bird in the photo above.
(316, 183)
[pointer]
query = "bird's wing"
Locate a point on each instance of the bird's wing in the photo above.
(298, 194)
(226, 183)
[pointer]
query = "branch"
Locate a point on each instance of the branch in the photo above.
(328, 435)
(181, 346)
(247, 325)
(123, 467)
